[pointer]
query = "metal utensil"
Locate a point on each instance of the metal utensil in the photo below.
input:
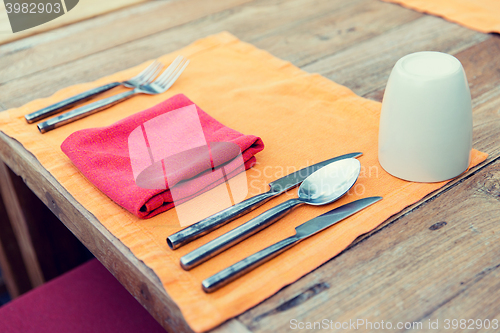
(158, 86)
(302, 232)
(229, 214)
(323, 186)
(143, 77)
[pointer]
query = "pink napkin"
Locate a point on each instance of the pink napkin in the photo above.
(138, 160)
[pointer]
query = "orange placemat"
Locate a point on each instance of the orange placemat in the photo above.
(302, 118)
(480, 15)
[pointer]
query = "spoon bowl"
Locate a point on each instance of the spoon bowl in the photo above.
(330, 182)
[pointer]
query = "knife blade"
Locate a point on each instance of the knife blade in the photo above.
(302, 232)
(227, 215)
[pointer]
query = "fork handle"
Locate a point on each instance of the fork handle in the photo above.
(68, 103)
(83, 111)
(233, 237)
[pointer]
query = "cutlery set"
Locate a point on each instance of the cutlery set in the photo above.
(146, 82)
(323, 186)
(217, 220)
(320, 184)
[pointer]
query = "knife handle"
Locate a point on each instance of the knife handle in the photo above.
(217, 220)
(225, 241)
(68, 103)
(244, 266)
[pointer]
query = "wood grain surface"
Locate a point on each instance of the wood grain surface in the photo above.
(436, 260)
(86, 9)
(16, 214)
(14, 275)
(434, 263)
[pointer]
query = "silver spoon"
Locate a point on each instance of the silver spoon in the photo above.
(322, 187)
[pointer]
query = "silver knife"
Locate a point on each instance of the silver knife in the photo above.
(302, 232)
(227, 215)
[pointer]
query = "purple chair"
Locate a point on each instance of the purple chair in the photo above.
(86, 299)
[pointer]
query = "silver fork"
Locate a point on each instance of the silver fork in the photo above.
(146, 76)
(158, 86)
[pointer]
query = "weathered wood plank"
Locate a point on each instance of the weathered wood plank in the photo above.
(85, 10)
(14, 272)
(481, 63)
(475, 304)
(407, 271)
(487, 125)
(482, 66)
(8, 278)
(231, 326)
(20, 227)
(139, 280)
(80, 40)
(278, 20)
(365, 67)
(57, 250)
(305, 41)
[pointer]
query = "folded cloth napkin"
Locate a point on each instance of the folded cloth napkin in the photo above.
(480, 15)
(111, 157)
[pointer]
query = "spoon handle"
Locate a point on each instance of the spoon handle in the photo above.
(225, 241)
(217, 220)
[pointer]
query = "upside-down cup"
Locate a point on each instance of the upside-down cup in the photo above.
(425, 130)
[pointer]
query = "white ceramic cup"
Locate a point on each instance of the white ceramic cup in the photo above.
(425, 130)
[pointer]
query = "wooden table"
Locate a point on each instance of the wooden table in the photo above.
(438, 259)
